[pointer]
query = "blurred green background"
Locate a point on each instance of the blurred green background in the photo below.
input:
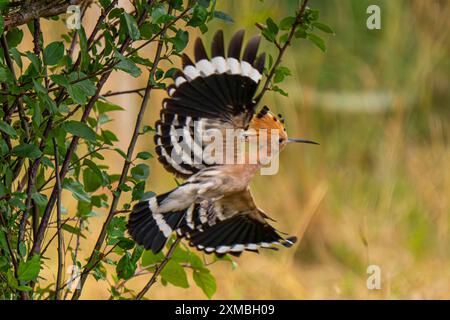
(377, 189)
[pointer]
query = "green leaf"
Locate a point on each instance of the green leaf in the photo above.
(29, 271)
(140, 172)
(223, 16)
(205, 281)
(144, 155)
(300, 33)
(73, 230)
(132, 26)
(77, 190)
(6, 128)
(16, 56)
(53, 53)
(272, 26)
(317, 41)
(199, 16)
(149, 258)
(24, 288)
(180, 40)
(40, 199)
(268, 35)
(280, 74)
(60, 79)
(34, 60)
(79, 129)
(39, 87)
(83, 48)
(123, 154)
(26, 150)
(106, 106)
(323, 27)
(128, 66)
(12, 281)
(287, 23)
(279, 90)
(14, 37)
(126, 267)
(6, 76)
(175, 274)
(91, 180)
(158, 12)
(146, 30)
(117, 227)
(125, 243)
(109, 137)
(80, 91)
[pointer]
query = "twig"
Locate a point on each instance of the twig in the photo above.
(158, 270)
(58, 222)
(120, 284)
(281, 51)
(54, 236)
(110, 94)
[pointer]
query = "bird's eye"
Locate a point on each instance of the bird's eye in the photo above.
(280, 141)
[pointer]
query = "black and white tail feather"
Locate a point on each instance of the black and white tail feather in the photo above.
(217, 92)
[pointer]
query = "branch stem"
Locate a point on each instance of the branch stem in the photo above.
(158, 270)
(282, 50)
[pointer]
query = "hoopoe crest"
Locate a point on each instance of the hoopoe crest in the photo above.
(214, 208)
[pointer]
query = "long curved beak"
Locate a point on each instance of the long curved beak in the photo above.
(301, 141)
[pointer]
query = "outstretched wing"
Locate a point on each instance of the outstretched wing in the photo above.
(209, 94)
(230, 225)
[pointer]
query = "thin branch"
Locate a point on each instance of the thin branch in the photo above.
(110, 93)
(58, 222)
(282, 50)
(54, 236)
(158, 270)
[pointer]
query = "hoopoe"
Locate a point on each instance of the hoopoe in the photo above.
(214, 208)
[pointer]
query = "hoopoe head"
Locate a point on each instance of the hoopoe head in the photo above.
(267, 126)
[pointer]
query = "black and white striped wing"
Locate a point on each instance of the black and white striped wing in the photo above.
(209, 94)
(232, 224)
